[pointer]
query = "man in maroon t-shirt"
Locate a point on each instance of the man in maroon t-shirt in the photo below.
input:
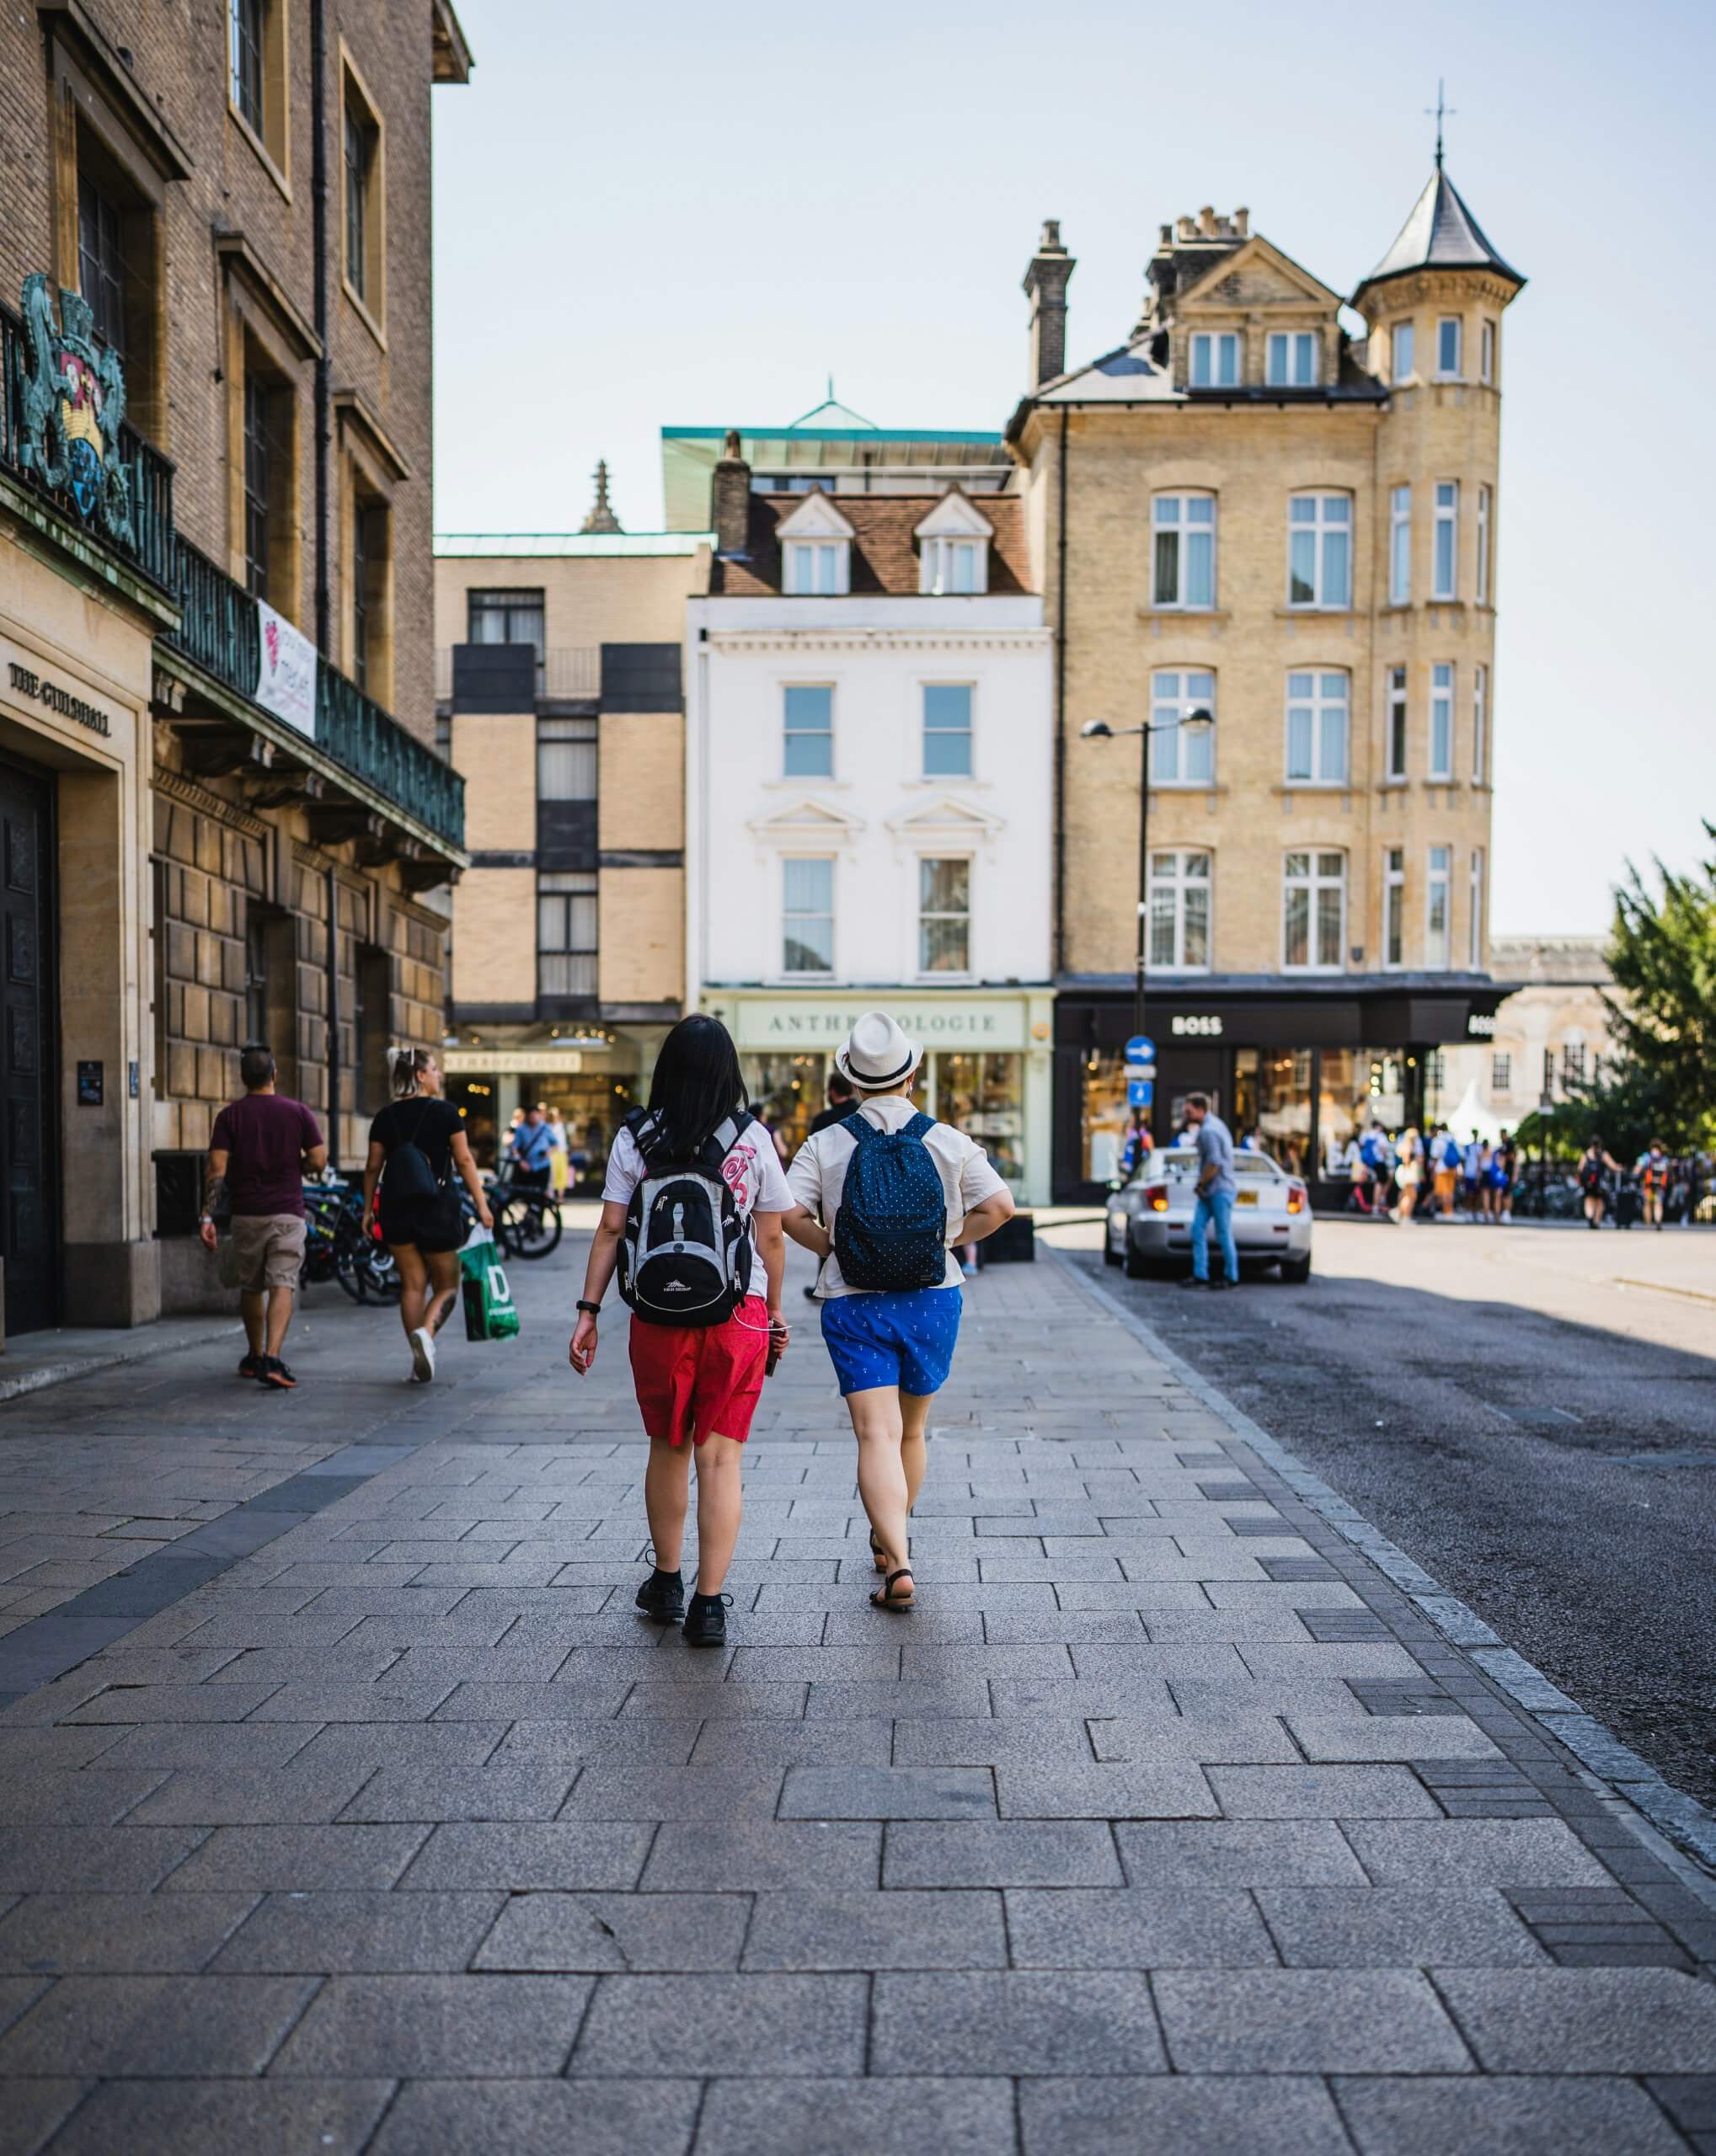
(264, 1145)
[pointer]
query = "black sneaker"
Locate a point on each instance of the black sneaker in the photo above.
(1191, 1280)
(661, 1598)
(706, 1620)
(1220, 1282)
(273, 1371)
(250, 1366)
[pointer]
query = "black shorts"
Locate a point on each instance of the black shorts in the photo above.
(433, 1224)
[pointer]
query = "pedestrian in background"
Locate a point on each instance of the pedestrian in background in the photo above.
(1408, 1173)
(1445, 1168)
(1215, 1192)
(891, 1346)
(261, 1148)
(560, 1156)
(1595, 1165)
(532, 1151)
(416, 1144)
(840, 1100)
(697, 1386)
(1653, 1171)
(1504, 1171)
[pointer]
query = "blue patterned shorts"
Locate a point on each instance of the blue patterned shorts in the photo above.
(905, 1339)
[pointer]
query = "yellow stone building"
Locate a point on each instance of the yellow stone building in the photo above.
(1272, 541)
(559, 694)
(222, 818)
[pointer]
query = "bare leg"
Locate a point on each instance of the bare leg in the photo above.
(279, 1316)
(253, 1307)
(914, 1452)
(718, 1507)
(665, 1477)
(413, 1284)
(877, 1424)
(443, 1292)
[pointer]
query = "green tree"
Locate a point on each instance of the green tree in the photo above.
(1662, 953)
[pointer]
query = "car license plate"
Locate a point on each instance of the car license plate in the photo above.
(1245, 1197)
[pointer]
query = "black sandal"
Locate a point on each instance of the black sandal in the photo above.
(885, 1597)
(877, 1552)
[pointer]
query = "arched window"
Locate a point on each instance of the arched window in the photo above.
(1320, 550)
(1317, 729)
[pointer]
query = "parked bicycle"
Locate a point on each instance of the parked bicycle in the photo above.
(338, 1246)
(527, 1221)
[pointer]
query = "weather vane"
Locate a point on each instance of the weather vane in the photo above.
(1441, 110)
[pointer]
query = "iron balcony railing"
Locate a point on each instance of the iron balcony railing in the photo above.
(220, 630)
(148, 544)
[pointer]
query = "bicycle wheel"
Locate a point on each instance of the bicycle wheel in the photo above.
(528, 1226)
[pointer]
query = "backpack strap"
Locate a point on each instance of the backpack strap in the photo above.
(862, 1129)
(919, 1127)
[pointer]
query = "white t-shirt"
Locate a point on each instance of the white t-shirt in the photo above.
(752, 1171)
(818, 1175)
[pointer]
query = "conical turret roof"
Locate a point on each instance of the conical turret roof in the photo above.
(1440, 233)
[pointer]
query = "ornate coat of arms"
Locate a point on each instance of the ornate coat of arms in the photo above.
(73, 404)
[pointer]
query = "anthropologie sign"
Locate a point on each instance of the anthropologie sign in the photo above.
(981, 1025)
(286, 673)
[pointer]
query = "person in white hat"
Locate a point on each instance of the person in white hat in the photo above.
(882, 1198)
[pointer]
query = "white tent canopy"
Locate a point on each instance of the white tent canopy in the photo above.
(1472, 1115)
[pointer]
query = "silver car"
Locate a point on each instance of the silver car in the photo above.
(1149, 1228)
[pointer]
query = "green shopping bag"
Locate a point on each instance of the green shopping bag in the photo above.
(490, 1313)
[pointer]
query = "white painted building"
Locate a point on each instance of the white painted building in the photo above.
(869, 786)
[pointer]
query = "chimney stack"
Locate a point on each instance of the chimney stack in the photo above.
(1045, 285)
(729, 500)
(1242, 223)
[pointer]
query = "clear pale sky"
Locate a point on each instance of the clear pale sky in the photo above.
(693, 216)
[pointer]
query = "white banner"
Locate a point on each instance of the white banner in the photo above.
(285, 682)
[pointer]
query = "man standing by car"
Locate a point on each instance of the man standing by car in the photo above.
(1215, 1195)
(262, 1147)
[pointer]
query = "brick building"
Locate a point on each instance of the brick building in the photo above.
(218, 777)
(1275, 544)
(560, 693)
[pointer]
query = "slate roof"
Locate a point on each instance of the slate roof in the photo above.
(1441, 233)
(884, 560)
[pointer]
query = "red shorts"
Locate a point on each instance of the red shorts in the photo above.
(702, 1382)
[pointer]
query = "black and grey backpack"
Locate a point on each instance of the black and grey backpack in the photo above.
(685, 1257)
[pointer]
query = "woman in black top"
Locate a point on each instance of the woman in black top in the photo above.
(424, 1232)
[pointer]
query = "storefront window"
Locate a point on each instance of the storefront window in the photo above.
(1360, 1086)
(1103, 1120)
(592, 1105)
(984, 1097)
(786, 1091)
(1272, 1097)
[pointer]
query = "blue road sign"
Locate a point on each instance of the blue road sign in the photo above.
(1141, 1048)
(1139, 1092)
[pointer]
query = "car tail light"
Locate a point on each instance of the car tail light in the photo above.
(1297, 1196)
(1156, 1196)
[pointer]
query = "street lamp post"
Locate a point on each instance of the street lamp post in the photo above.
(1196, 723)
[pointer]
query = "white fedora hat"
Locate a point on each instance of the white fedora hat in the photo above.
(877, 1055)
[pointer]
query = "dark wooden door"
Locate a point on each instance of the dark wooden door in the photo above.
(28, 1155)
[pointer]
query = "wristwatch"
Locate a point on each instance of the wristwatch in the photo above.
(594, 1308)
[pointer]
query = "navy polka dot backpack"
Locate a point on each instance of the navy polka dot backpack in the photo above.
(890, 1230)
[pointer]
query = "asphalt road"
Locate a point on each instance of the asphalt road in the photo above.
(1529, 1412)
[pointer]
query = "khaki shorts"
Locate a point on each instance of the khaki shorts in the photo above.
(270, 1248)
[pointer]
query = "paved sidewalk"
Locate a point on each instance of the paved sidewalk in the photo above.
(1165, 1821)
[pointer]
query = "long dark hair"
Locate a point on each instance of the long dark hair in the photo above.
(697, 1083)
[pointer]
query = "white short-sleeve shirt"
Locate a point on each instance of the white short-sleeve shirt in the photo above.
(752, 1171)
(817, 1176)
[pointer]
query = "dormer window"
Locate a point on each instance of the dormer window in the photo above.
(953, 542)
(816, 566)
(953, 565)
(816, 543)
(1216, 360)
(1292, 360)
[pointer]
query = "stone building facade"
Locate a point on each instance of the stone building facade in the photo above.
(1275, 546)
(216, 719)
(561, 694)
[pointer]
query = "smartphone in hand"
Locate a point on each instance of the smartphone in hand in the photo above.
(777, 1348)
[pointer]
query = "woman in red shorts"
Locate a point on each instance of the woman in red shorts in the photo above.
(697, 1386)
